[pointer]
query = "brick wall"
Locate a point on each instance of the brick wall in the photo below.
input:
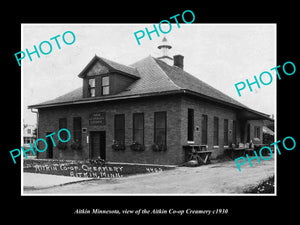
(253, 124)
(48, 122)
(211, 110)
(177, 111)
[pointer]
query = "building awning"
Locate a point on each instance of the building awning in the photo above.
(267, 130)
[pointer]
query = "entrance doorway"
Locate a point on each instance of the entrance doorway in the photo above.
(97, 144)
(50, 146)
(248, 133)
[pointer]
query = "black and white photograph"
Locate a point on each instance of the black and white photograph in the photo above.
(176, 112)
(185, 113)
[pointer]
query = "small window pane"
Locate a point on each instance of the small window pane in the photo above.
(105, 90)
(160, 128)
(225, 132)
(160, 136)
(160, 120)
(77, 129)
(138, 128)
(216, 131)
(139, 136)
(92, 83)
(120, 121)
(120, 128)
(138, 121)
(257, 132)
(234, 131)
(204, 129)
(190, 130)
(92, 92)
(105, 81)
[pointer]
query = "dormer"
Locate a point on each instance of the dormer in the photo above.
(102, 77)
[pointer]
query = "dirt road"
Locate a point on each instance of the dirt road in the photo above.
(218, 178)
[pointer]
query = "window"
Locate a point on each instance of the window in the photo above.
(204, 130)
(216, 131)
(62, 123)
(234, 132)
(28, 131)
(105, 85)
(225, 132)
(92, 87)
(257, 132)
(138, 128)
(190, 124)
(248, 133)
(77, 129)
(120, 129)
(160, 128)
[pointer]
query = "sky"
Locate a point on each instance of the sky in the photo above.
(218, 54)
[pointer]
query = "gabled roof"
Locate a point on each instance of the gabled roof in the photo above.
(114, 66)
(156, 78)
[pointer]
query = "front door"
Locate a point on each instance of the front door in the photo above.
(97, 144)
(248, 133)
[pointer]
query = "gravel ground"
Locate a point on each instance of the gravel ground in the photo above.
(217, 178)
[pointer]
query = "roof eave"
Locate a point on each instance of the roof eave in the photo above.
(212, 99)
(259, 114)
(95, 100)
(184, 91)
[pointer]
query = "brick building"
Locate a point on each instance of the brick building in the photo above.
(144, 113)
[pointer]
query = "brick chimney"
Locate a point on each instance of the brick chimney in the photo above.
(178, 61)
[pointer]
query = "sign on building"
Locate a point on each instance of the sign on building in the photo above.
(97, 118)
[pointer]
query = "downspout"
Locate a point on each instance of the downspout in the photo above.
(37, 124)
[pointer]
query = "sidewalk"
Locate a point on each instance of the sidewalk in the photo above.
(33, 181)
